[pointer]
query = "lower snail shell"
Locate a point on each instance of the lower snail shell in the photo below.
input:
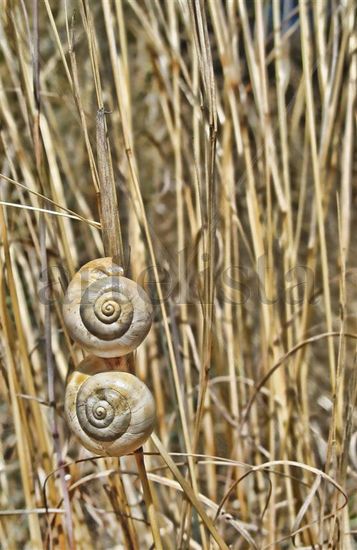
(111, 412)
(108, 314)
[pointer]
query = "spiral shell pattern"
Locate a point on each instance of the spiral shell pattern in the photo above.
(111, 412)
(108, 314)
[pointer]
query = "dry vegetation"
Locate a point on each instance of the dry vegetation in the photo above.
(232, 129)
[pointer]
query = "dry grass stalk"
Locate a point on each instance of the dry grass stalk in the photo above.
(231, 146)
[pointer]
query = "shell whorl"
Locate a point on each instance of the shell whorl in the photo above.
(111, 412)
(105, 310)
(106, 313)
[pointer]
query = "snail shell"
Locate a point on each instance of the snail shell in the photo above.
(108, 314)
(111, 412)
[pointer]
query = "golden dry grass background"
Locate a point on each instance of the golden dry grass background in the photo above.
(232, 129)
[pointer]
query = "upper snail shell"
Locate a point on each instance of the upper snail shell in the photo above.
(106, 313)
(111, 412)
